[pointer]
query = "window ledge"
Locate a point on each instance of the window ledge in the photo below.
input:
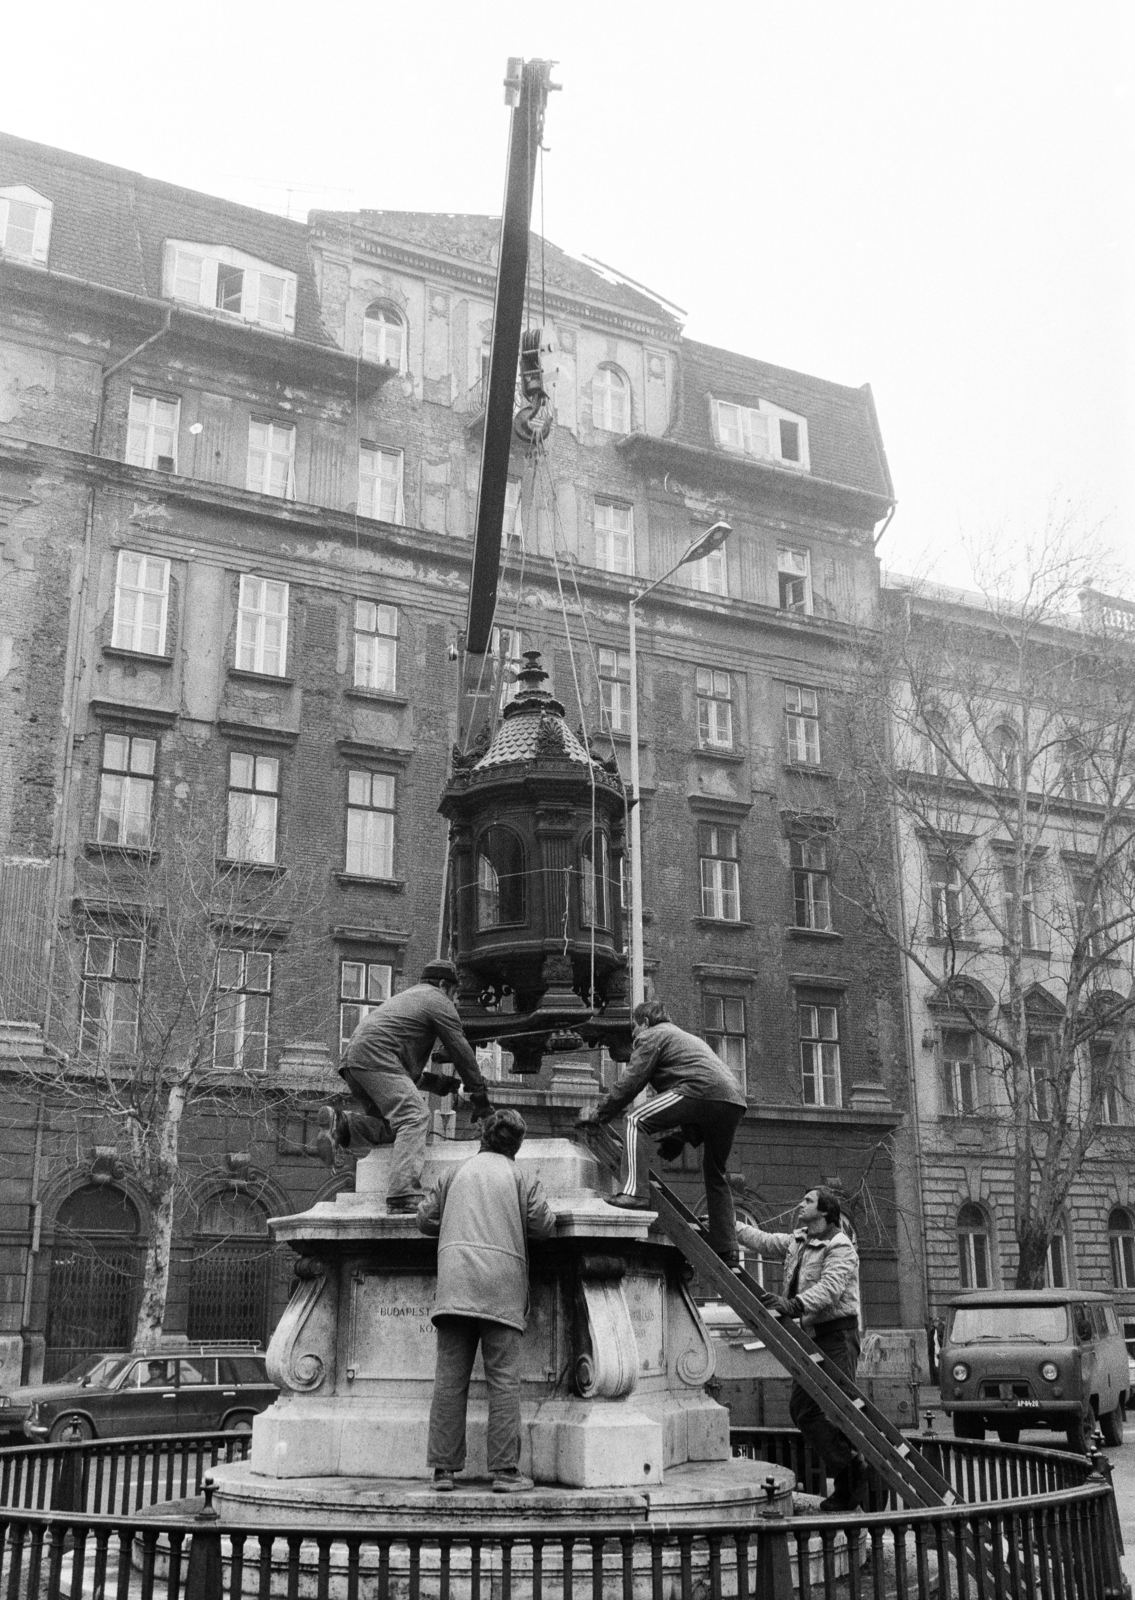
(141, 657)
(720, 922)
(720, 752)
(377, 696)
(243, 675)
(397, 884)
(809, 769)
(125, 852)
(813, 933)
(257, 869)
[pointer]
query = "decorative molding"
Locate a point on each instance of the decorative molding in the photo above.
(123, 711)
(357, 933)
(607, 1365)
(722, 805)
(267, 679)
(393, 755)
(817, 980)
(704, 970)
(256, 732)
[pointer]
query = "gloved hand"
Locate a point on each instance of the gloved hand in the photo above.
(481, 1106)
(435, 1082)
(786, 1307)
(670, 1147)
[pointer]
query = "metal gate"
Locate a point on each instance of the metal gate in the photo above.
(228, 1293)
(90, 1305)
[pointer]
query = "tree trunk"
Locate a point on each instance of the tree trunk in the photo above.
(160, 1165)
(1032, 1244)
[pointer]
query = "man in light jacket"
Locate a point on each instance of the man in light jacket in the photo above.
(821, 1287)
(694, 1093)
(483, 1212)
(384, 1062)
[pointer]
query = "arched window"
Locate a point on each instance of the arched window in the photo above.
(1121, 1235)
(94, 1278)
(938, 742)
(1076, 769)
(1007, 756)
(384, 337)
(611, 401)
(595, 883)
(500, 879)
(228, 1281)
(973, 1247)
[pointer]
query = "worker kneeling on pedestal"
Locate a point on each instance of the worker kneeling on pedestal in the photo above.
(821, 1287)
(483, 1212)
(384, 1062)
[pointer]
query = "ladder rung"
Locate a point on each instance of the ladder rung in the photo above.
(902, 1450)
(859, 1403)
(817, 1356)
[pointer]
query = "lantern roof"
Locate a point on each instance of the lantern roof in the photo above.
(533, 727)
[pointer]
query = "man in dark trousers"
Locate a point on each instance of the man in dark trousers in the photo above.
(483, 1212)
(696, 1093)
(821, 1287)
(383, 1065)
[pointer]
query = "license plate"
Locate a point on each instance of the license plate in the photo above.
(1026, 1402)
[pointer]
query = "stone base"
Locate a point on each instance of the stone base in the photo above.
(578, 1443)
(691, 1497)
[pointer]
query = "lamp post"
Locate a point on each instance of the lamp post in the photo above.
(705, 544)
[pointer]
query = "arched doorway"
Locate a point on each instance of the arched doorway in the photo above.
(92, 1294)
(228, 1283)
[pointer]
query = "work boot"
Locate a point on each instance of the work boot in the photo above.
(399, 1205)
(334, 1133)
(443, 1480)
(511, 1483)
(628, 1202)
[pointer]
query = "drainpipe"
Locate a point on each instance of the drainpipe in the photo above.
(35, 1220)
(75, 656)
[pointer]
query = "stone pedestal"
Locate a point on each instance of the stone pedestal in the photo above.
(614, 1361)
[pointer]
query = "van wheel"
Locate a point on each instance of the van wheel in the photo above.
(1077, 1435)
(968, 1426)
(1111, 1426)
(1009, 1432)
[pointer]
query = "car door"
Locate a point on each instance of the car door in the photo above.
(198, 1395)
(144, 1402)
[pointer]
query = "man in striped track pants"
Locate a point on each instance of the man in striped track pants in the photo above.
(694, 1093)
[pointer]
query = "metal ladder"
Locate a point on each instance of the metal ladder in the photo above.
(902, 1468)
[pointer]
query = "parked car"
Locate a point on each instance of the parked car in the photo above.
(1034, 1358)
(187, 1388)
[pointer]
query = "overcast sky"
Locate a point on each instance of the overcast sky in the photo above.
(933, 199)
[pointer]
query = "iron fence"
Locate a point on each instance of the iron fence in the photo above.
(102, 1519)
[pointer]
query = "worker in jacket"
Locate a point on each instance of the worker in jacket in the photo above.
(695, 1093)
(821, 1287)
(383, 1065)
(483, 1213)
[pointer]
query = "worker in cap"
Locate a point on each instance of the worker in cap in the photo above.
(385, 1067)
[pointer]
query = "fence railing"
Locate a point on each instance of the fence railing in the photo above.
(88, 1520)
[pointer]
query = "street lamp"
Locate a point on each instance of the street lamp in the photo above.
(705, 544)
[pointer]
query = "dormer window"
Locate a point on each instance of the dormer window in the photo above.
(221, 279)
(384, 337)
(25, 224)
(764, 431)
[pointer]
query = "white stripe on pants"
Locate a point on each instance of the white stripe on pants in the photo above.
(643, 1114)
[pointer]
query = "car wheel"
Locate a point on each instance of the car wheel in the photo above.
(1077, 1435)
(1111, 1426)
(968, 1426)
(239, 1422)
(1009, 1432)
(70, 1430)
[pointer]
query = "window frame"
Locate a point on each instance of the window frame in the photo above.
(385, 682)
(802, 726)
(609, 381)
(816, 1040)
(966, 1233)
(380, 483)
(253, 620)
(484, 889)
(261, 796)
(1040, 1085)
(786, 576)
(270, 456)
(246, 990)
(203, 287)
(1028, 899)
(954, 1075)
(716, 891)
(149, 455)
(807, 877)
(363, 1006)
(613, 669)
(384, 316)
(718, 1034)
(130, 635)
(384, 848)
(610, 534)
(948, 920)
(758, 431)
(114, 986)
(21, 195)
(131, 780)
(596, 874)
(709, 574)
(1121, 1248)
(714, 690)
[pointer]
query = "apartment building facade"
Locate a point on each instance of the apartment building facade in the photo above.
(238, 470)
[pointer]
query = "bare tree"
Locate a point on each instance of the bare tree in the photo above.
(182, 999)
(993, 737)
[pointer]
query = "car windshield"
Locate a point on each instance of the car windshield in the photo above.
(1010, 1324)
(95, 1369)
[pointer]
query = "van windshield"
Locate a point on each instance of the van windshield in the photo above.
(1010, 1324)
